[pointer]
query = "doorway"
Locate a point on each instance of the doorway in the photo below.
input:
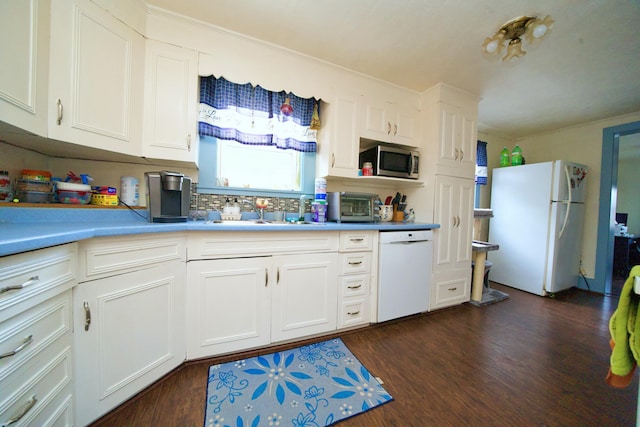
(608, 201)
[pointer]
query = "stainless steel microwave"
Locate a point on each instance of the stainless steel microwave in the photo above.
(392, 161)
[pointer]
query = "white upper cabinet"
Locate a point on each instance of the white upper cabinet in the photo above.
(24, 47)
(449, 120)
(170, 103)
(389, 122)
(95, 80)
(338, 145)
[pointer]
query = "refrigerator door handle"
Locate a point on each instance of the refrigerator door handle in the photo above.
(566, 219)
(568, 202)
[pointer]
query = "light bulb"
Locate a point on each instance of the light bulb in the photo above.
(539, 31)
(492, 46)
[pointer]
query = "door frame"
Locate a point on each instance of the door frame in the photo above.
(608, 200)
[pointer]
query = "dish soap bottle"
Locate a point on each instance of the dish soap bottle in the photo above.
(505, 158)
(516, 156)
(227, 207)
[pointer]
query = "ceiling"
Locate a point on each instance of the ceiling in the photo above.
(588, 68)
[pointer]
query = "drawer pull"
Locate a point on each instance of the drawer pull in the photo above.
(353, 313)
(29, 282)
(355, 262)
(266, 277)
(452, 289)
(30, 404)
(87, 316)
(25, 342)
(356, 239)
(354, 287)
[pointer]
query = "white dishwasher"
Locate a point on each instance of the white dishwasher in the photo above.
(404, 273)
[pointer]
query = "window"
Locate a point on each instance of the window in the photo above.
(255, 141)
(226, 166)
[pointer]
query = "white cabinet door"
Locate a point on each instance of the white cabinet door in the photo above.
(24, 47)
(128, 332)
(338, 148)
(454, 213)
(389, 122)
(171, 84)
(228, 305)
(305, 295)
(457, 141)
(96, 75)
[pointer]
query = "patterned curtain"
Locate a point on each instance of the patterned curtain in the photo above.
(481, 163)
(255, 116)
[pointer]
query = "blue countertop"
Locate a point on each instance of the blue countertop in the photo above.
(28, 228)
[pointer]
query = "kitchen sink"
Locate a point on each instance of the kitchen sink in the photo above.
(261, 222)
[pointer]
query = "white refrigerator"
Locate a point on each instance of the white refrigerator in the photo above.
(538, 213)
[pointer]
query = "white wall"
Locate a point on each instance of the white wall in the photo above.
(581, 144)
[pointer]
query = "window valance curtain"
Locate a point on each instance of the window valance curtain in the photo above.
(481, 163)
(255, 116)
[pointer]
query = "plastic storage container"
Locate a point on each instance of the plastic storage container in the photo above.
(72, 197)
(33, 185)
(34, 196)
(36, 175)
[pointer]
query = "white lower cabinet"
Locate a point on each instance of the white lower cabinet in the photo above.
(450, 288)
(36, 360)
(128, 323)
(239, 303)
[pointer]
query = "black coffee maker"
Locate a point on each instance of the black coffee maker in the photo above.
(168, 196)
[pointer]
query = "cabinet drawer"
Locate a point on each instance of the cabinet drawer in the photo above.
(35, 385)
(355, 263)
(356, 241)
(30, 278)
(354, 285)
(109, 256)
(353, 312)
(26, 334)
(450, 288)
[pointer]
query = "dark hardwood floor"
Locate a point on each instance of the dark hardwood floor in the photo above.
(525, 361)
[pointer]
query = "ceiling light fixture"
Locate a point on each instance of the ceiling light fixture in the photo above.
(534, 29)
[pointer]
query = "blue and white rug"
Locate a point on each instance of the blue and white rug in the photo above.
(310, 386)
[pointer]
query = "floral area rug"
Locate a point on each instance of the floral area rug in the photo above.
(309, 386)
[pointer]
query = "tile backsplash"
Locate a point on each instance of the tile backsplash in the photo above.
(201, 201)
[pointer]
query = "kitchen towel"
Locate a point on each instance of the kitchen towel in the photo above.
(312, 385)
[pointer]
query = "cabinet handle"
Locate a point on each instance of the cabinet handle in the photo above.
(388, 128)
(357, 239)
(333, 159)
(59, 119)
(457, 152)
(266, 277)
(353, 313)
(189, 142)
(30, 404)
(25, 342)
(355, 262)
(395, 130)
(453, 221)
(29, 282)
(278, 275)
(459, 220)
(452, 289)
(461, 155)
(354, 287)
(87, 316)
